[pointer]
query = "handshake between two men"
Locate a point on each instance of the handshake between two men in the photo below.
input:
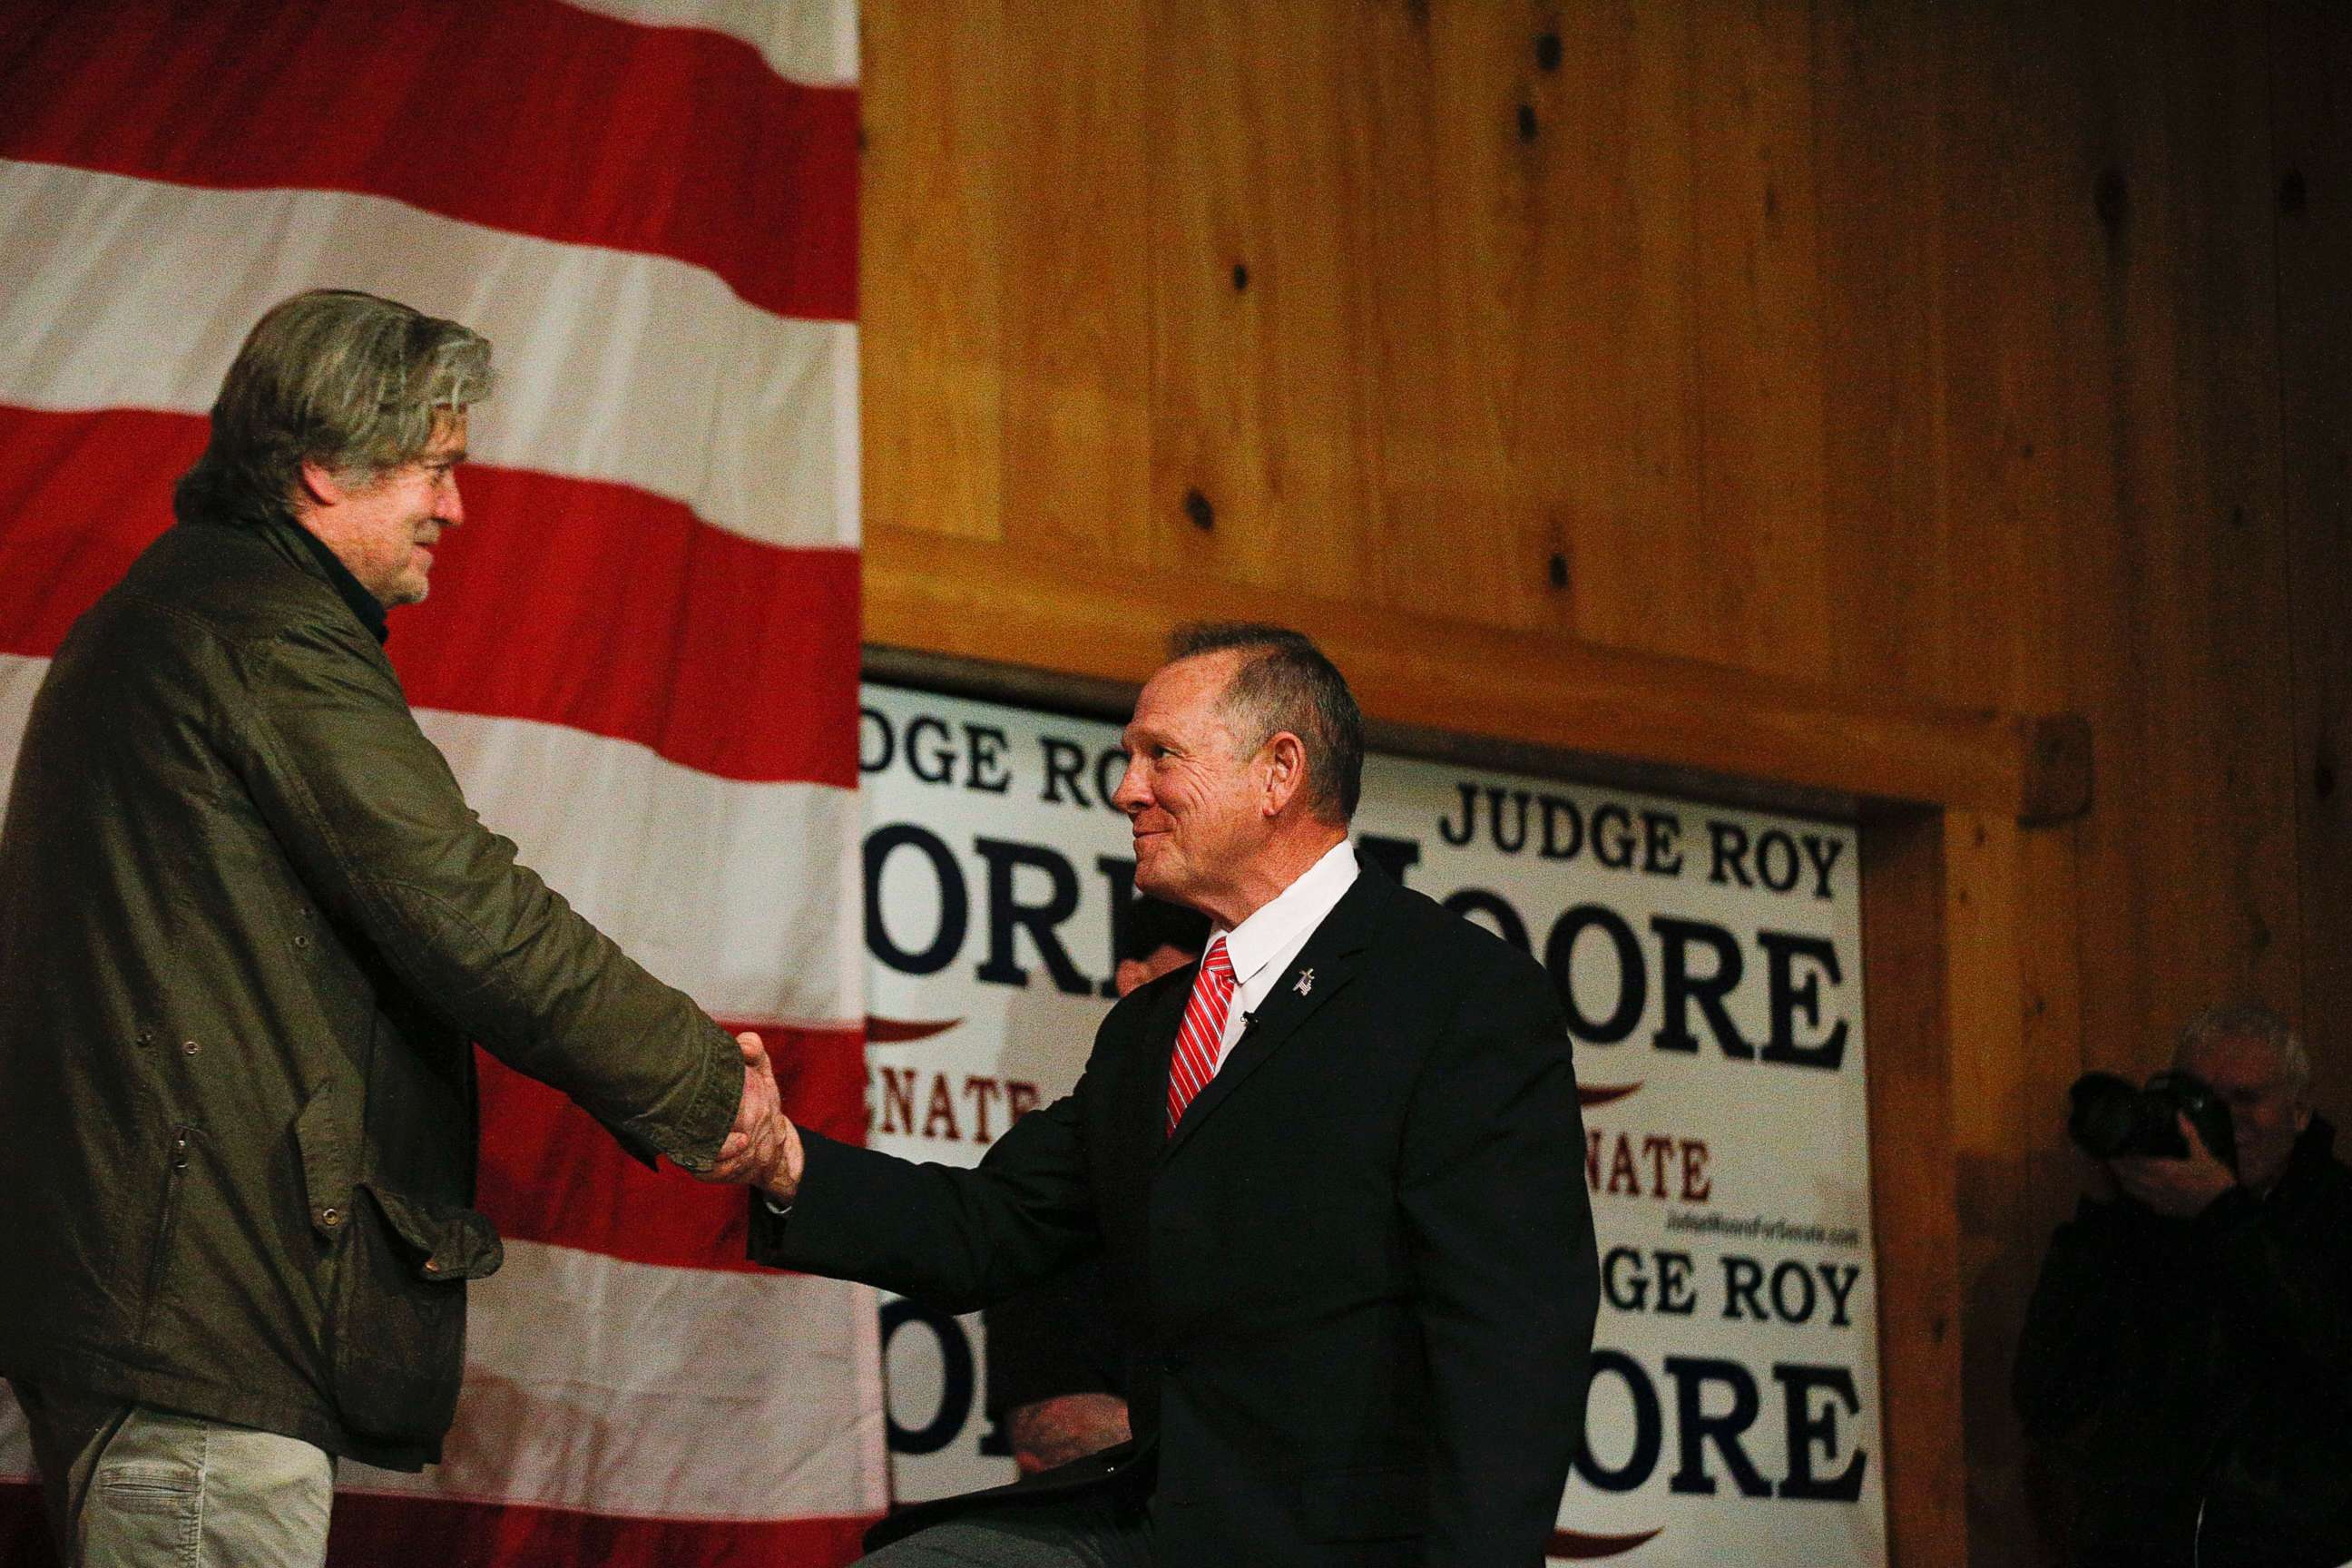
(1333, 1172)
(762, 1149)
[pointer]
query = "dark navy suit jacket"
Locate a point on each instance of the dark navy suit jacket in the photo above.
(1358, 1280)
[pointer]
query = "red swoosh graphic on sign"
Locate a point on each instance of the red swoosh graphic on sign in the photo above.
(1575, 1546)
(1602, 1093)
(898, 1031)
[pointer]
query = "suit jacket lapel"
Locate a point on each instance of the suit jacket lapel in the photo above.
(1333, 953)
(1160, 1025)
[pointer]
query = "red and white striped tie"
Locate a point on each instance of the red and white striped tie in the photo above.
(1195, 1061)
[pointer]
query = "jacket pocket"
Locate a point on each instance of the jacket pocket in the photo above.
(1379, 1503)
(399, 1324)
(444, 1242)
(167, 1226)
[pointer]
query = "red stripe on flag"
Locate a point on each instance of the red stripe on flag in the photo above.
(376, 1531)
(550, 1173)
(525, 115)
(401, 1531)
(80, 496)
(571, 602)
(601, 608)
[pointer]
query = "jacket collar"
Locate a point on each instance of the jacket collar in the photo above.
(300, 548)
(363, 604)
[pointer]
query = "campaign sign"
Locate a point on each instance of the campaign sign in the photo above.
(1709, 963)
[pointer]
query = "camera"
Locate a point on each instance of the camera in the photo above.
(2110, 1118)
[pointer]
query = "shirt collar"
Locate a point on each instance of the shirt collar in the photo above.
(1279, 924)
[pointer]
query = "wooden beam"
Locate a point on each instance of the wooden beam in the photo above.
(974, 599)
(1915, 1195)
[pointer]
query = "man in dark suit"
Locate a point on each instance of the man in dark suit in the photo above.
(1335, 1172)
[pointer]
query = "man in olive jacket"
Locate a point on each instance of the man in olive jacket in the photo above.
(247, 930)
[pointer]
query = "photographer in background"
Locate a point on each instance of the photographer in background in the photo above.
(2187, 1356)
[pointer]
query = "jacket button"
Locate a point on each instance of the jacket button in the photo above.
(187, 1048)
(432, 1267)
(301, 941)
(146, 1036)
(331, 1216)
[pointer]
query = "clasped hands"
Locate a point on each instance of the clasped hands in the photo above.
(763, 1148)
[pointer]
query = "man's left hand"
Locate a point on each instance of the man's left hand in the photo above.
(1054, 1432)
(2182, 1188)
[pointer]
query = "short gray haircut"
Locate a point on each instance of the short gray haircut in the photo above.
(349, 381)
(1284, 682)
(2247, 1020)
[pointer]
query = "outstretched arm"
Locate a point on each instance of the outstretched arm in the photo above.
(960, 1238)
(368, 810)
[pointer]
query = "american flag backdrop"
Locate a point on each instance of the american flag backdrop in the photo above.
(640, 653)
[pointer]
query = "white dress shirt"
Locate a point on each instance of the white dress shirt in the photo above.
(1261, 947)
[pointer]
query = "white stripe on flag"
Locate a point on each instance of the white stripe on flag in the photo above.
(20, 679)
(744, 896)
(717, 886)
(810, 41)
(624, 1388)
(637, 369)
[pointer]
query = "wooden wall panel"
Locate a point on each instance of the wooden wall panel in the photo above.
(1256, 410)
(2311, 72)
(1905, 900)
(1072, 286)
(1762, 598)
(1908, 364)
(2192, 870)
(930, 249)
(1884, 548)
(1430, 101)
(1996, 1114)
(2016, 253)
(1607, 415)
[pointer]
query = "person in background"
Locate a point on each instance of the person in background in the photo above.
(2186, 1355)
(1057, 1374)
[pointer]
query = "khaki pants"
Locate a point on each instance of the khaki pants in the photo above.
(1086, 1531)
(126, 1486)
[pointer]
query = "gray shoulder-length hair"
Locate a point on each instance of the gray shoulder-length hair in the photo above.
(347, 380)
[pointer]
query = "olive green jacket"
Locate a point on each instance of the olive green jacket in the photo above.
(248, 929)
